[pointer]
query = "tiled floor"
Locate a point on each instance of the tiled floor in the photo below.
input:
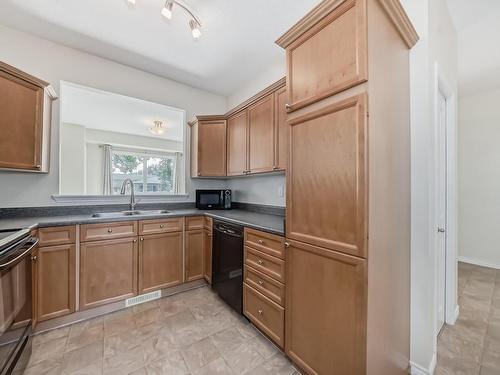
(190, 333)
(472, 345)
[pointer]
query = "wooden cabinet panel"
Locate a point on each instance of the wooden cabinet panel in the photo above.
(160, 261)
(325, 310)
(108, 271)
(261, 136)
(265, 314)
(158, 226)
(211, 148)
(56, 235)
(266, 264)
(329, 57)
(94, 232)
(194, 255)
(207, 255)
(55, 281)
(25, 106)
(264, 284)
(237, 144)
(194, 222)
(281, 132)
(207, 222)
(326, 182)
(266, 242)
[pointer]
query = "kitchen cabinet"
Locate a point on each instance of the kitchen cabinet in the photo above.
(208, 146)
(160, 261)
(261, 136)
(105, 231)
(237, 145)
(349, 139)
(194, 255)
(157, 226)
(25, 105)
(281, 132)
(108, 271)
(326, 310)
(207, 249)
(54, 281)
(56, 235)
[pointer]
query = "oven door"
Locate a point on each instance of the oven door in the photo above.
(15, 306)
(210, 199)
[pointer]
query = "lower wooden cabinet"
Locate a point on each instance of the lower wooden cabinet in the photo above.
(326, 302)
(207, 255)
(54, 281)
(160, 261)
(194, 255)
(108, 271)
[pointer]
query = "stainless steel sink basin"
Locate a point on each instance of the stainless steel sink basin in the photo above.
(130, 213)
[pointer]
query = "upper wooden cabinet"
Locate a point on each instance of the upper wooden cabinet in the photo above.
(208, 147)
(261, 136)
(329, 57)
(237, 144)
(25, 108)
(281, 131)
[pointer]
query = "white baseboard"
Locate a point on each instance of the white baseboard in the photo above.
(479, 262)
(417, 369)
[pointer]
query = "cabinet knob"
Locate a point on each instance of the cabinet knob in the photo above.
(134, 241)
(276, 168)
(260, 311)
(38, 166)
(162, 226)
(199, 174)
(142, 239)
(110, 230)
(261, 261)
(287, 244)
(288, 106)
(34, 258)
(261, 242)
(261, 282)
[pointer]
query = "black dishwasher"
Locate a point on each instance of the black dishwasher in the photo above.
(227, 264)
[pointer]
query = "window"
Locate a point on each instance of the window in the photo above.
(150, 172)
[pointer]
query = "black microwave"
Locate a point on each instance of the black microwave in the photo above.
(213, 199)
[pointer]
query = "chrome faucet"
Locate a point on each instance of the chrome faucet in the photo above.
(132, 194)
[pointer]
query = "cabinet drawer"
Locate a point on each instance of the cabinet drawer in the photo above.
(160, 226)
(267, 243)
(207, 222)
(56, 235)
(266, 285)
(93, 232)
(194, 222)
(266, 264)
(268, 316)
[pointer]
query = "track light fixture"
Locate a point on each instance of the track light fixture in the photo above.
(167, 12)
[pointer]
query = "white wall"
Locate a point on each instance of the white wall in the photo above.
(73, 162)
(268, 189)
(53, 62)
(479, 177)
(437, 44)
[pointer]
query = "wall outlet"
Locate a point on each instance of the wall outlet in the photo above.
(280, 191)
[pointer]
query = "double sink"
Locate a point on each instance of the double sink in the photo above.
(130, 213)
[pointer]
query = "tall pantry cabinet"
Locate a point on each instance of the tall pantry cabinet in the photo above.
(348, 188)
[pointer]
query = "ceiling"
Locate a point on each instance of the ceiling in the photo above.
(478, 27)
(237, 40)
(117, 113)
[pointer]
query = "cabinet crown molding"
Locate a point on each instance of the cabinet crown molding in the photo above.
(401, 21)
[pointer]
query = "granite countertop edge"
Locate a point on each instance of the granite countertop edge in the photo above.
(261, 221)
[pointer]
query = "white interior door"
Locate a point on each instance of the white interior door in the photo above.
(441, 212)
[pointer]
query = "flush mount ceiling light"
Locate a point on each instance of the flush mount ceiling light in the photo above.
(167, 12)
(157, 128)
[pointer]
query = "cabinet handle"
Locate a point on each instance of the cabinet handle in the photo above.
(260, 311)
(261, 261)
(261, 282)
(261, 242)
(110, 230)
(34, 258)
(134, 241)
(276, 168)
(142, 239)
(287, 244)
(288, 106)
(38, 166)
(162, 226)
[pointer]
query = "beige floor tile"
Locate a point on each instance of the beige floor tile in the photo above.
(48, 367)
(158, 347)
(199, 354)
(227, 340)
(124, 362)
(83, 337)
(173, 364)
(50, 335)
(217, 367)
(169, 306)
(263, 346)
(145, 306)
(50, 350)
(247, 330)
(149, 316)
(95, 326)
(82, 358)
(120, 343)
(121, 322)
(243, 358)
(276, 365)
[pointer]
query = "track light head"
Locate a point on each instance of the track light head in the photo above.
(195, 29)
(167, 9)
(131, 2)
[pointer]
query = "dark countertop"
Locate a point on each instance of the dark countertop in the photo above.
(262, 221)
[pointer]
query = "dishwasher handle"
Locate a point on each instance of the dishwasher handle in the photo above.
(228, 231)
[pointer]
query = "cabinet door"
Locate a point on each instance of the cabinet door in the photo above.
(55, 281)
(326, 182)
(281, 132)
(329, 57)
(237, 144)
(261, 135)
(160, 261)
(108, 271)
(212, 148)
(194, 255)
(325, 324)
(207, 255)
(21, 106)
